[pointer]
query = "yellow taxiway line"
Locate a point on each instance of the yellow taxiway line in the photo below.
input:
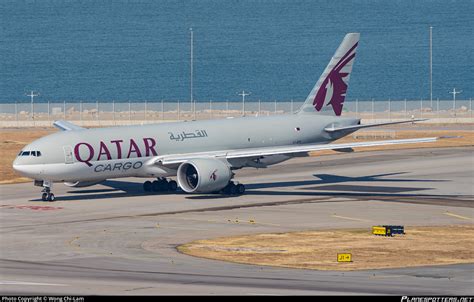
(457, 216)
(349, 218)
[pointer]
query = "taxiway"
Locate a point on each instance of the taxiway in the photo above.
(115, 239)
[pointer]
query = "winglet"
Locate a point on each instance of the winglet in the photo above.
(66, 126)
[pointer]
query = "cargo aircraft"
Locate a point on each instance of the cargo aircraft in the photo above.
(202, 155)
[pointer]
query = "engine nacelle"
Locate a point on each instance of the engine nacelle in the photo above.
(81, 184)
(203, 175)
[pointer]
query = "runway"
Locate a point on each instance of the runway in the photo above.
(115, 239)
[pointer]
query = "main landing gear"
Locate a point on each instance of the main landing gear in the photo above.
(160, 185)
(233, 189)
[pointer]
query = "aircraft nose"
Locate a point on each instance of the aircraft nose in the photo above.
(15, 163)
(21, 168)
(18, 167)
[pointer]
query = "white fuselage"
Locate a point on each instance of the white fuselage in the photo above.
(130, 151)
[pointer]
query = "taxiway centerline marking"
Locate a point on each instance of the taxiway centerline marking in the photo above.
(349, 218)
(457, 216)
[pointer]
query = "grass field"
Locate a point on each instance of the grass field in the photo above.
(421, 246)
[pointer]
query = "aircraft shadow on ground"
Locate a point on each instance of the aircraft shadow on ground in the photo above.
(325, 185)
(332, 179)
(330, 185)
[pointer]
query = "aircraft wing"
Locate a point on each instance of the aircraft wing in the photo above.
(333, 128)
(66, 126)
(291, 149)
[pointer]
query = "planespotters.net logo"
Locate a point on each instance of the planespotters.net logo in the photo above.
(437, 299)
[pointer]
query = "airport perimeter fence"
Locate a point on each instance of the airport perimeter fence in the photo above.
(107, 113)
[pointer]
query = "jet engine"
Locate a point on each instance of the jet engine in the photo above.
(81, 184)
(203, 175)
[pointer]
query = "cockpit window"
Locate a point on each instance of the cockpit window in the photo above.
(30, 153)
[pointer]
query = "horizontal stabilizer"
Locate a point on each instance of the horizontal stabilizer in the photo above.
(66, 126)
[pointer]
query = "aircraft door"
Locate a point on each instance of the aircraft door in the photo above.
(68, 158)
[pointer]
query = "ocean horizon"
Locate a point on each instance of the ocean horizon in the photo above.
(139, 50)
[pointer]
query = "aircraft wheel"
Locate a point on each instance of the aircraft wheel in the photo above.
(240, 189)
(44, 197)
(160, 185)
(226, 190)
(155, 186)
(172, 186)
(51, 197)
(163, 185)
(147, 186)
(232, 189)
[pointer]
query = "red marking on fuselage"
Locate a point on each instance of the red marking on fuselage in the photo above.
(118, 144)
(149, 146)
(134, 149)
(85, 152)
(104, 150)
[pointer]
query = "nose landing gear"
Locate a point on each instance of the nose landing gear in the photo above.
(46, 195)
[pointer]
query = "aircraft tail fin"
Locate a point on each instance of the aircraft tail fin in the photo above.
(331, 87)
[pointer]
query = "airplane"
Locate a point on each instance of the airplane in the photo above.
(202, 155)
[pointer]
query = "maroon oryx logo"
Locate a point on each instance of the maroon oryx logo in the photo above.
(213, 175)
(334, 87)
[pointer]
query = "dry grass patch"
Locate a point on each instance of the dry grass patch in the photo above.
(421, 246)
